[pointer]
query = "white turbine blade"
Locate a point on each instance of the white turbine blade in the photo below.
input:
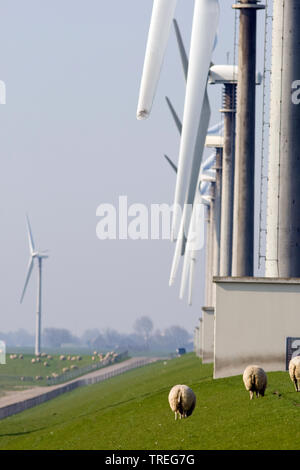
(191, 280)
(182, 51)
(205, 23)
(208, 175)
(204, 187)
(206, 200)
(195, 240)
(30, 237)
(210, 179)
(171, 163)
(216, 40)
(174, 115)
(177, 254)
(216, 129)
(185, 273)
(29, 270)
(187, 258)
(209, 162)
(161, 20)
(193, 185)
(197, 158)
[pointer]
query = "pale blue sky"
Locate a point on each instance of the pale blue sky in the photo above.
(70, 141)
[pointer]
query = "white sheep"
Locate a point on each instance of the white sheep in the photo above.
(294, 371)
(255, 380)
(182, 400)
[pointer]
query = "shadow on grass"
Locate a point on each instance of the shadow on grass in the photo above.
(14, 434)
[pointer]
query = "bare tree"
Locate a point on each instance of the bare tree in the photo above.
(144, 326)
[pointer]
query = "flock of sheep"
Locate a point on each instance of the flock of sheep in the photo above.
(106, 359)
(182, 399)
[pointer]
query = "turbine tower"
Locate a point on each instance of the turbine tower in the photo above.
(283, 228)
(38, 256)
(243, 211)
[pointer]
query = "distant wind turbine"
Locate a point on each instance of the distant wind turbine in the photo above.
(39, 256)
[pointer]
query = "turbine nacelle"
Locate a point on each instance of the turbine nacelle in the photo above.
(37, 254)
(34, 254)
(221, 74)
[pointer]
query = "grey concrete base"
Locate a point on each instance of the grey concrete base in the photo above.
(15, 403)
(253, 319)
(207, 334)
(198, 339)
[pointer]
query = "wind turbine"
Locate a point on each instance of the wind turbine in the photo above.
(197, 108)
(161, 20)
(38, 256)
(206, 177)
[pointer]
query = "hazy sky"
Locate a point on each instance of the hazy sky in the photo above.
(70, 141)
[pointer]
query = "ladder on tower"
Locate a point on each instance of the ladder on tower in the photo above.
(264, 141)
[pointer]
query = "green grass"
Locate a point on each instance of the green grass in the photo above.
(131, 412)
(14, 369)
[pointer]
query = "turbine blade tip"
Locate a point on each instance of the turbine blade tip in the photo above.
(142, 114)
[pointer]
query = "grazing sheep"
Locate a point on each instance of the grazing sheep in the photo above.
(43, 354)
(255, 380)
(182, 400)
(46, 364)
(49, 356)
(21, 356)
(38, 377)
(294, 371)
(65, 369)
(33, 360)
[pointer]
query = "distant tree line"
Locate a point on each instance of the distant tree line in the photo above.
(143, 338)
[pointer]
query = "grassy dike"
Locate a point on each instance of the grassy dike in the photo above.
(131, 412)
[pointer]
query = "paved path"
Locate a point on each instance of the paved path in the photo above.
(14, 402)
